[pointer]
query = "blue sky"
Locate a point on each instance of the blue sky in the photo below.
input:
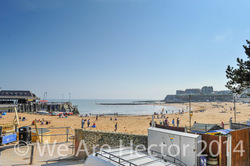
(119, 49)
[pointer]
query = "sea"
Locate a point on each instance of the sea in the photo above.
(87, 106)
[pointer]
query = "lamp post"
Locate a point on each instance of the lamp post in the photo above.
(190, 112)
(234, 109)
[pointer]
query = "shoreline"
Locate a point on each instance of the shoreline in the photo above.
(149, 109)
(213, 113)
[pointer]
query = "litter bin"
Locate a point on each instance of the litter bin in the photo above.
(25, 135)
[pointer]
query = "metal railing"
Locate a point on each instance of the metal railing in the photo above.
(114, 156)
(67, 133)
(145, 151)
(163, 156)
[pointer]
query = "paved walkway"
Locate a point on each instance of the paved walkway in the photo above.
(45, 154)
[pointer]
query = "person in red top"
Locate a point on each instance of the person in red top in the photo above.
(222, 125)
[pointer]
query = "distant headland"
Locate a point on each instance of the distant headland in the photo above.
(205, 94)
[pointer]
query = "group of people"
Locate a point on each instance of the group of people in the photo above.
(162, 114)
(177, 122)
(83, 121)
(62, 116)
(24, 119)
(112, 119)
(181, 112)
(173, 122)
(88, 123)
(43, 121)
(166, 122)
(86, 115)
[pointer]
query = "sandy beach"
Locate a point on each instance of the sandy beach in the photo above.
(139, 124)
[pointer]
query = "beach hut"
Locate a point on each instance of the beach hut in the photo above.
(203, 128)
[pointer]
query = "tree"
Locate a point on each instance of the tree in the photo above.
(239, 78)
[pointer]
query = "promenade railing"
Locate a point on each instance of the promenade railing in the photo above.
(69, 134)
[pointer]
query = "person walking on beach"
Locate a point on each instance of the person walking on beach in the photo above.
(88, 122)
(96, 118)
(163, 122)
(166, 121)
(173, 122)
(115, 126)
(178, 122)
(82, 122)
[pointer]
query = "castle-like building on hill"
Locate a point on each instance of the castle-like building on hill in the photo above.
(205, 94)
(205, 90)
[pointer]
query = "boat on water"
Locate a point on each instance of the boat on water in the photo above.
(42, 112)
(62, 113)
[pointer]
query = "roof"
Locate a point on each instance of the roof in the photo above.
(203, 127)
(173, 132)
(17, 94)
(124, 156)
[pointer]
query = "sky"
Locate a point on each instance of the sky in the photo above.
(119, 49)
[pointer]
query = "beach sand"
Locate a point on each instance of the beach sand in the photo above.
(139, 124)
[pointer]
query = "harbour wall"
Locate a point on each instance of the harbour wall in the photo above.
(34, 107)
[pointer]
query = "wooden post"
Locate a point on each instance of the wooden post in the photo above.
(67, 133)
(41, 135)
(220, 150)
(16, 118)
(32, 156)
(153, 122)
(234, 110)
(37, 133)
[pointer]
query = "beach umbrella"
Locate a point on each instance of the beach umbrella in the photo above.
(4, 113)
